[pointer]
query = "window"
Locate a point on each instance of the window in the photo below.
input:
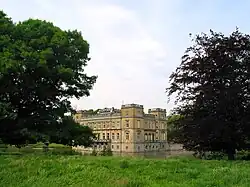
(117, 146)
(138, 135)
(127, 123)
(112, 146)
(127, 136)
(162, 146)
(113, 136)
(153, 137)
(164, 136)
(138, 148)
(118, 136)
(126, 147)
(103, 136)
(108, 136)
(149, 137)
(138, 123)
(146, 136)
(104, 126)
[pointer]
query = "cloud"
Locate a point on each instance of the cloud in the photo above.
(124, 56)
(127, 58)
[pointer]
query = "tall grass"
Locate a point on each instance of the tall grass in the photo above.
(58, 170)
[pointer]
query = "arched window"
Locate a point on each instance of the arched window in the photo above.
(145, 136)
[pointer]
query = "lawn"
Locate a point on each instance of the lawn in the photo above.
(56, 170)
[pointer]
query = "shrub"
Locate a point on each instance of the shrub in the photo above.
(10, 153)
(93, 153)
(63, 151)
(215, 156)
(106, 151)
(124, 164)
(109, 152)
(243, 155)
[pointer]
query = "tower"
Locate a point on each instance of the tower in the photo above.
(132, 122)
(159, 113)
(160, 126)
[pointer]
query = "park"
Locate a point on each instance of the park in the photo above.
(42, 67)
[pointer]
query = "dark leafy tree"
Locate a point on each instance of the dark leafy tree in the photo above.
(41, 68)
(172, 128)
(71, 133)
(213, 88)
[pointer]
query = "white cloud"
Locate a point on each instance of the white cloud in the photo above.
(128, 60)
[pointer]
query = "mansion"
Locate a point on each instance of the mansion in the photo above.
(127, 131)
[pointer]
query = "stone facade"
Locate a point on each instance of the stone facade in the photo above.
(127, 131)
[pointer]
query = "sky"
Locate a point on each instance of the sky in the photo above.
(134, 44)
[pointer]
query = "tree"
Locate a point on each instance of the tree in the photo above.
(172, 125)
(212, 84)
(41, 68)
(71, 133)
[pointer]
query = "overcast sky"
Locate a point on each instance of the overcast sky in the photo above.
(134, 44)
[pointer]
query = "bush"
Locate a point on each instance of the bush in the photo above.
(243, 155)
(93, 153)
(215, 156)
(106, 151)
(10, 153)
(63, 151)
(3, 147)
(109, 152)
(124, 164)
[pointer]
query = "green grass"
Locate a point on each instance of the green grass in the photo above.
(55, 170)
(56, 149)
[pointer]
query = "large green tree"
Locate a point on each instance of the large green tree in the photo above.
(41, 68)
(212, 85)
(172, 127)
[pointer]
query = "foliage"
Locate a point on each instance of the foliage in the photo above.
(93, 153)
(124, 164)
(91, 112)
(52, 171)
(55, 150)
(41, 68)
(212, 84)
(109, 152)
(69, 130)
(243, 155)
(172, 125)
(106, 151)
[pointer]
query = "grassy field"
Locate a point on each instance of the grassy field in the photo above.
(55, 170)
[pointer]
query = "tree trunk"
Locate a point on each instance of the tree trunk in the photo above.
(231, 154)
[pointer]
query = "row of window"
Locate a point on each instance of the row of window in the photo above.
(104, 137)
(152, 137)
(147, 137)
(156, 147)
(118, 147)
(94, 125)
